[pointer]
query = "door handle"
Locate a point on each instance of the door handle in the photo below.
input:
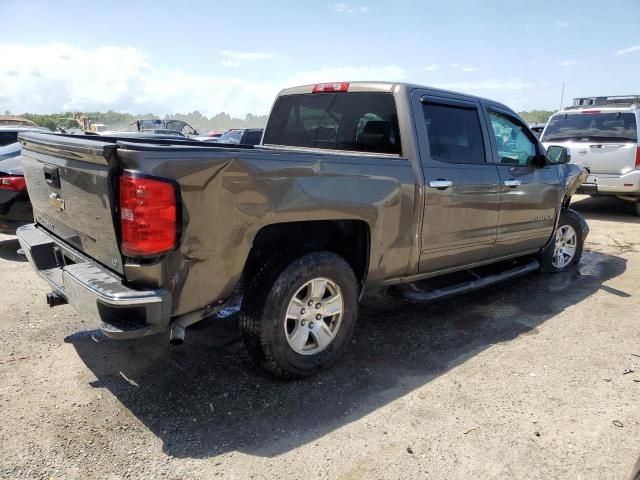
(440, 184)
(512, 183)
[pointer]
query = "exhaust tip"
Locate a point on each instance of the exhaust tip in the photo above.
(176, 337)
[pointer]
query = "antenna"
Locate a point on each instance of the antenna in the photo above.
(562, 96)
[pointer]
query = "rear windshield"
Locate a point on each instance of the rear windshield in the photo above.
(232, 136)
(356, 121)
(8, 137)
(588, 127)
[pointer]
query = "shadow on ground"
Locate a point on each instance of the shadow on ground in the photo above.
(9, 250)
(606, 209)
(201, 400)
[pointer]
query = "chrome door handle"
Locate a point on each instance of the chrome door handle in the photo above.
(512, 183)
(440, 184)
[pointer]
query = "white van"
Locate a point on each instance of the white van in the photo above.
(601, 134)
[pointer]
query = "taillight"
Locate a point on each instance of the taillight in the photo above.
(330, 87)
(15, 184)
(148, 215)
(638, 158)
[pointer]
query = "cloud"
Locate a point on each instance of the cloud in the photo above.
(568, 63)
(454, 65)
(235, 59)
(391, 73)
(491, 84)
(431, 68)
(562, 24)
(348, 9)
(624, 51)
(57, 77)
(469, 69)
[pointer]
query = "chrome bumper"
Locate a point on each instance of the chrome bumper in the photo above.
(94, 290)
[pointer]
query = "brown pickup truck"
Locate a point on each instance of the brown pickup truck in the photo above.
(417, 192)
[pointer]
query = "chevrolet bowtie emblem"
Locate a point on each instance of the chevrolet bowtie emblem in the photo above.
(56, 201)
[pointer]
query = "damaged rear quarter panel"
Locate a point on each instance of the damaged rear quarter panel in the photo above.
(229, 195)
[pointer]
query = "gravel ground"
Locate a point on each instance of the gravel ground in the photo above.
(523, 380)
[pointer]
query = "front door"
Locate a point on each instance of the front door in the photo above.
(462, 189)
(529, 196)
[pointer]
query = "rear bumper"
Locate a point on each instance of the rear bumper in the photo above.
(628, 184)
(92, 289)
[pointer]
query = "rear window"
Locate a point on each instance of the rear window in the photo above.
(587, 127)
(8, 137)
(356, 121)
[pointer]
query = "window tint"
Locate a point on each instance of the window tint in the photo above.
(231, 136)
(592, 126)
(8, 137)
(514, 142)
(356, 121)
(454, 134)
(252, 138)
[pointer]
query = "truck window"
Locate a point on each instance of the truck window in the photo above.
(454, 133)
(592, 126)
(513, 140)
(356, 121)
(7, 138)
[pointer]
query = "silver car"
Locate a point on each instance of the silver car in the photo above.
(601, 134)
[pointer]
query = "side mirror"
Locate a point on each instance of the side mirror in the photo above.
(558, 155)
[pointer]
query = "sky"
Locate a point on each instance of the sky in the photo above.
(176, 57)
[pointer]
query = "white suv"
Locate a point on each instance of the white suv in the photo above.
(601, 134)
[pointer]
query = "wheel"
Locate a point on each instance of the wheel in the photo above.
(298, 316)
(565, 249)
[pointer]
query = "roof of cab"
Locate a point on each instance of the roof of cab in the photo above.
(388, 87)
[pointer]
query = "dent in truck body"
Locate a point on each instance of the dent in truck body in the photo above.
(226, 200)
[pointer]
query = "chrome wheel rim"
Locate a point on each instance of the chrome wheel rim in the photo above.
(565, 248)
(314, 316)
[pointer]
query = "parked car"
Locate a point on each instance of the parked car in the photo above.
(151, 125)
(537, 128)
(16, 121)
(15, 208)
(418, 192)
(239, 136)
(601, 134)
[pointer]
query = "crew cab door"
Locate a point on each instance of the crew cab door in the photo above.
(529, 193)
(462, 189)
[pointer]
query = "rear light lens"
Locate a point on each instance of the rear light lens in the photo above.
(590, 111)
(148, 215)
(15, 184)
(331, 87)
(638, 158)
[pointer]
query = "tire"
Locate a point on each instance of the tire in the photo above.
(276, 317)
(558, 256)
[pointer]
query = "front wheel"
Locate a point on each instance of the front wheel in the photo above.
(565, 249)
(298, 315)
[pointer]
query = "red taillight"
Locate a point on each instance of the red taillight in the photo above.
(590, 111)
(148, 215)
(15, 184)
(330, 87)
(638, 158)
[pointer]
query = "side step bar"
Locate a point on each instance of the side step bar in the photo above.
(421, 291)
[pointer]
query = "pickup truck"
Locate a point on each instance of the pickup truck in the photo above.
(382, 187)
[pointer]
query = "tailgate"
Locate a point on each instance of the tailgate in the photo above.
(70, 183)
(613, 158)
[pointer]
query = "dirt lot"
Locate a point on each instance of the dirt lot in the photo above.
(525, 380)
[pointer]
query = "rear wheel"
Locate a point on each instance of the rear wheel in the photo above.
(565, 249)
(298, 315)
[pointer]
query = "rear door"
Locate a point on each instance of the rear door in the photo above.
(529, 194)
(462, 189)
(603, 142)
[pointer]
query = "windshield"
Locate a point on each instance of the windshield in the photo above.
(586, 127)
(232, 136)
(358, 121)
